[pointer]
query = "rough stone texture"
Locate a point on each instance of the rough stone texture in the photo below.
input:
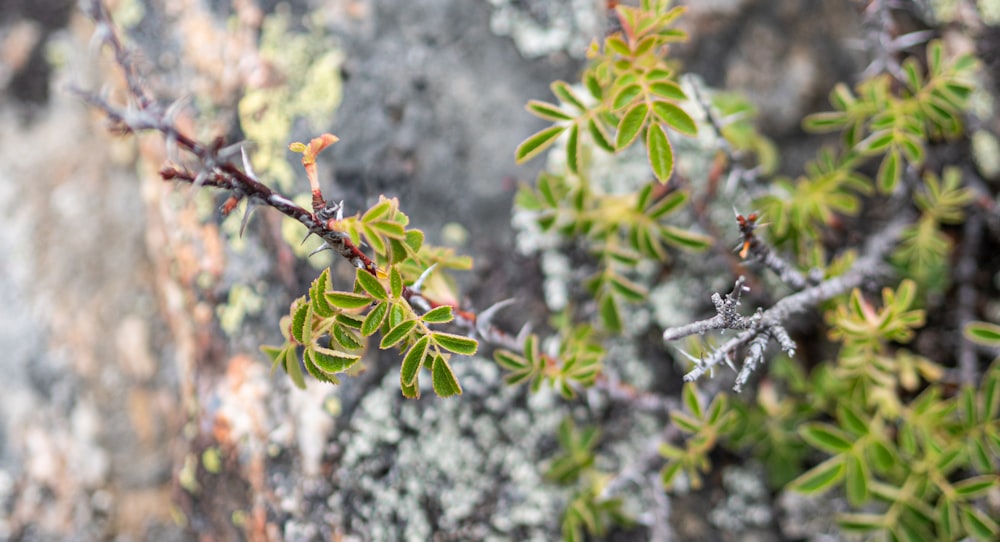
(129, 414)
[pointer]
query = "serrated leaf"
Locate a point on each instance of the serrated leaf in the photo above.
(397, 334)
(537, 143)
(445, 383)
(877, 142)
(820, 478)
(345, 338)
(299, 321)
(593, 85)
(660, 153)
(374, 319)
(392, 230)
(370, 284)
(412, 361)
(331, 361)
(438, 315)
(675, 117)
(547, 111)
(377, 211)
(347, 300)
(455, 343)
(412, 390)
(374, 239)
(630, 125)
(395, 283)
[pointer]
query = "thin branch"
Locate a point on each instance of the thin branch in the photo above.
(767, 325)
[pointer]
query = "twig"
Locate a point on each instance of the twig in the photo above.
(767, 325)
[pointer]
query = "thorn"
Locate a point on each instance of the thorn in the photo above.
(251, 206)
(247, 166)
(484, 318)
(306, 238)
(419, 283)
(175, 108)
(321, 248)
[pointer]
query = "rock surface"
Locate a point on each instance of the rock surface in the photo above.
(130, 413)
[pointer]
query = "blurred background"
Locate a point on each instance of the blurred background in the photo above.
(134, 402)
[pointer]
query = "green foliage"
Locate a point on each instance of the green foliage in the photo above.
(705, 426)
(924, 251)
(630, 91)
(878, 121)
(576, 364)
(588, 511)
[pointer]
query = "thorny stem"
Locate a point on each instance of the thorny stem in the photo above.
(767, 325)
(218, 170)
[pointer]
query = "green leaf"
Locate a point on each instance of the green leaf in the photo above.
(438, 315)
(856, 480)
(392, 230)
(983, 333)
(445, 383)
(669, 473)
(685, 239)
(274, 353)
(667, 89)
(566, 94)
(370, 284)
(820, 478)
(346, 338)
(877, 142)
(455, 343)
(889, 172)
(630, 125)
(825, 122)
(599, 134)
(331, 361)
(537, 143)
(299, 321)
(412, 361)
(573, 148)
(547, 111)
(396, 334)
(610, 314)
(395, 283)
(510, 361)
(826, 437)
(689, 396)
(316, 295)
(347, 300)
(374, 319)
(628, 289)
(412, 390)
(861, 523)
(377, 211)
(975, 487)
(675, 117)
(661, 155)
(978, 524)
(625, 96)
(293, 369)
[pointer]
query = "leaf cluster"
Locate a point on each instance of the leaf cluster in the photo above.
(705, 427)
